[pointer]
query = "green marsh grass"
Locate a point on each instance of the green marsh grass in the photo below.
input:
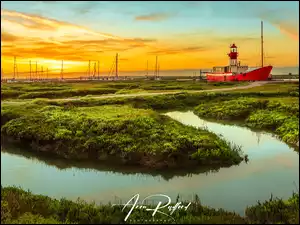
(122, 133)
(278, 116)
(59, 90)
(78, 128)
(19, 206)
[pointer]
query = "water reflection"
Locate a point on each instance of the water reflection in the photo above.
(108, 168)
(273, 168)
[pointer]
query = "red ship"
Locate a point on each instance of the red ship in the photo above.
(237, 72)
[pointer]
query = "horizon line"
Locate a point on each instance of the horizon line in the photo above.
(102, 71)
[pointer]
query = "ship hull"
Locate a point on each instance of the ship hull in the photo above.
(260, 74)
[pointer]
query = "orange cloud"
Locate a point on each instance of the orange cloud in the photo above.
(6, 37)
(71, 49)
(153, 17)
(34, 25)
(30, 23)
(282, 20)
(290, 29)
(123, 59)
(31, 36)
(173, 51)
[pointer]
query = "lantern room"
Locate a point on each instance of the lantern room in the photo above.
(233, 55)
(233, 48)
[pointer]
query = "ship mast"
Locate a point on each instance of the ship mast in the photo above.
(262, 44)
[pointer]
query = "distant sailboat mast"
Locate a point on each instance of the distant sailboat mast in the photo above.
(156, 67)
(147, 68)
(98, 70)
(117, 64)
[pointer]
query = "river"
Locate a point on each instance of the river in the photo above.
(273, 167)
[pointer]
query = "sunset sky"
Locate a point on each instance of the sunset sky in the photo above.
(184, 35)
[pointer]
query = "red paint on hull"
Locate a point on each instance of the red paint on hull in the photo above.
(260, 74)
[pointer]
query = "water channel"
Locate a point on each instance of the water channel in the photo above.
(273, 168)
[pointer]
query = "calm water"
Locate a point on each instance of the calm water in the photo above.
(273, 168)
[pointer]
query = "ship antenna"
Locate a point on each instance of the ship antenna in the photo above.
(262, 44)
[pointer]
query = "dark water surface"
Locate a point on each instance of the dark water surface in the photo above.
(273, 168)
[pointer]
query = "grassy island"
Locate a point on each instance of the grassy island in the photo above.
(126, 135)
(279, 116)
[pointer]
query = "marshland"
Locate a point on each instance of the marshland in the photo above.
(230, 146)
